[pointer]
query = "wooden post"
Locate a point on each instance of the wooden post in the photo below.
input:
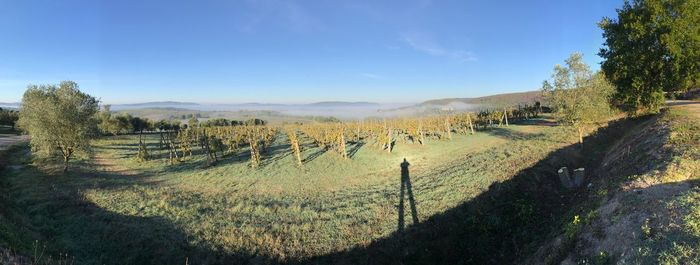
(343, 152)
(297, 151)
(448, 128)
(389, 139)
(471, 126)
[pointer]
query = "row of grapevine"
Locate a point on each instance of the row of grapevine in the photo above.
(218, 141)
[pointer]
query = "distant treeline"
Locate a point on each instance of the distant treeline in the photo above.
(124, 123)
(188, 116)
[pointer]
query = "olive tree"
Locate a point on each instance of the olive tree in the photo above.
(109, 124)
(8, 117)
(60, 120)
(122, 123)
(578, 97)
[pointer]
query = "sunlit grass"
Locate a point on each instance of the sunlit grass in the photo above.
(278, 210)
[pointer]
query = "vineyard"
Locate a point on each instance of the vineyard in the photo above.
(286, 192)
(231, 140)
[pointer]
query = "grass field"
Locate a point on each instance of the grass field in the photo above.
(492, 197)
(229, 212)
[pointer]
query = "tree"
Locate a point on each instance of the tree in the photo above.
(255, 121)
(652, 47)
(578, 97)
(8, 117)
(59, 119)
(122, 123)
(192, 123)
(140, 124)
(108, 123)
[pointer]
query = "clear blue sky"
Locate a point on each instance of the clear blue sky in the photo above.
(292, 51)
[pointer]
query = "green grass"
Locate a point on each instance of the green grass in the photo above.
(152, 212)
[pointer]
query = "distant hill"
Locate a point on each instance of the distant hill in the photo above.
(339, 109)
(243, 106)
(13, 105)
(155, 104)
(436, 106)
(343, 104)
(509, 99)
(162, 103)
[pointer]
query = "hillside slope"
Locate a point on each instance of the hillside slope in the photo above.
(643, 206)
(508, 99)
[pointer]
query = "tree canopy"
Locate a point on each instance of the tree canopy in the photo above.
(577, 96)
(60, 119)
(652, 47)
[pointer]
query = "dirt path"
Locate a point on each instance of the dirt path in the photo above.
(107, 164)
(7, 140)
(692, 106)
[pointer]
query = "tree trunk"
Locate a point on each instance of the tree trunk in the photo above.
(65, 163)
(297, 151)
(580, 135)
(67, 153)
(471, 126)
(421, 135)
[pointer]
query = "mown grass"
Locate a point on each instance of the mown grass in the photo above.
(152, 212)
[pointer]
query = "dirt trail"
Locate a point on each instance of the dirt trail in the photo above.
(106, 163)
(7, 140)
(692, 106)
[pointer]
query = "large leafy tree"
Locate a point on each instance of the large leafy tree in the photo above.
(652, 47)
(60, 119)
(578, 97)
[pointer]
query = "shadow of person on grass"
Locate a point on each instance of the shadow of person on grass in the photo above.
(406, 188)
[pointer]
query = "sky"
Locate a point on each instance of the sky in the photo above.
(278, 51)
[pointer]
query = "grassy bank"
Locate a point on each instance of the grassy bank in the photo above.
(643, 207)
